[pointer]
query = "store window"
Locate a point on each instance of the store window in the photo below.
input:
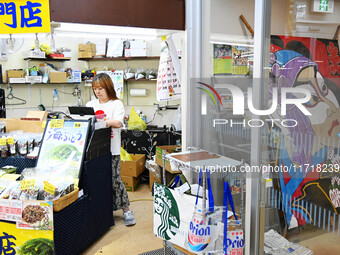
(281, 122)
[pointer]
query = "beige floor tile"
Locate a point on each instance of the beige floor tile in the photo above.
(130, 240)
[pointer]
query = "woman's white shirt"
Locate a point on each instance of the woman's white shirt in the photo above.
(114, 110)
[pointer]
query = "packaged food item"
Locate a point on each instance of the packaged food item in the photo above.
(15, 192)
(22, 146)
(13, 148)
(4, 148)
(30, 145)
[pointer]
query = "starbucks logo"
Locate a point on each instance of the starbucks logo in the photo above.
(166, 207)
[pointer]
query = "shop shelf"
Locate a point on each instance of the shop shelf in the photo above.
(118, 58)
(48, 59)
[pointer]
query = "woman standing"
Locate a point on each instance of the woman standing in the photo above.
(108, 102)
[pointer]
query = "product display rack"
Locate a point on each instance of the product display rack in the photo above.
(83, 222)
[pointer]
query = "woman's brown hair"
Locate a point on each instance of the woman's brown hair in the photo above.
(104, 81)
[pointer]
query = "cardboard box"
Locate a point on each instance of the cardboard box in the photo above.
(58, 77)
(34, 54)
(168, 149)
(67, 54)
(87, 47)
(133, 168)
(15, 73)
(27, 126)
(85, 54)
(154, 175)
(41, 115)
(131, 183)
(140, 44)
(33, 79)
(17, 80)
(144, 52)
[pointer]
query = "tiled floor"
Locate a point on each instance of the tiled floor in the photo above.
(122, 240)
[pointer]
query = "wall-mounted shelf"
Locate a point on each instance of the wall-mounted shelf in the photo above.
(153, 80)
(119, 58)
(48, 59)
(40, 83)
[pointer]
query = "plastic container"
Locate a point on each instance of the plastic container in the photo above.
(100, 115)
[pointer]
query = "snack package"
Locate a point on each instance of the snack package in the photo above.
(15, 192)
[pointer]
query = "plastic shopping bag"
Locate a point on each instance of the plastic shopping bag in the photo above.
(233, 242)
(202, 233)
(136, 122)
(124, 155)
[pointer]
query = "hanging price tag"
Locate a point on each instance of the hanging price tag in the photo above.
(27, 184)
(49, 188)
(58, 123)
(2, 141)
(10, 140)
(77, 125)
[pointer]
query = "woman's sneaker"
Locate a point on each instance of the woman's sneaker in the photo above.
(129, 219)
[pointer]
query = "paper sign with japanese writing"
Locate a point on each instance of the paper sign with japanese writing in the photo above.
(22, 16)
(168, 83)
(36, 214)
(10, 210)
(21, 241)
(62, 148)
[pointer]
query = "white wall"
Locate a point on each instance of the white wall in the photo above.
(225, 16)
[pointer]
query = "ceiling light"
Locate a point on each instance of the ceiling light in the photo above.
(103, 31)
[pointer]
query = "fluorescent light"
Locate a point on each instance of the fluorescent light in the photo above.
(102, 35)
(103, 31)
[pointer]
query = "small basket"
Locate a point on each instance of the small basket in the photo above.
(64, 201)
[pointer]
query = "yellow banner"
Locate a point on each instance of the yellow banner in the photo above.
(22, 241)
(22, 16)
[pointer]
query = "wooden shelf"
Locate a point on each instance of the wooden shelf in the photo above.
(119, 58)
(40, 83)
(153, 80)
(48, 59)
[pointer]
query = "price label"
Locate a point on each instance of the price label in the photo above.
(49, 188)
(77, 124)
(2, 141)
(10, 140)
(43, 124)
(58, 123)
(27, 184)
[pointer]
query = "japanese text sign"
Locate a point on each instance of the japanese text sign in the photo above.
(21, 16)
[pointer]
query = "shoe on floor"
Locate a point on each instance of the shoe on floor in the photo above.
(129, 219)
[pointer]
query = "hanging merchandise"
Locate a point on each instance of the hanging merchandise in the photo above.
(169, 73)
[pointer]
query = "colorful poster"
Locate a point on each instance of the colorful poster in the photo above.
(310, 150)
(230, 59)
(10, 210)
(62, 148)
(21, 16)
(22, 241)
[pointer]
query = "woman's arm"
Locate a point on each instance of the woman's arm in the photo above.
(117, 118)
(114, 123)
